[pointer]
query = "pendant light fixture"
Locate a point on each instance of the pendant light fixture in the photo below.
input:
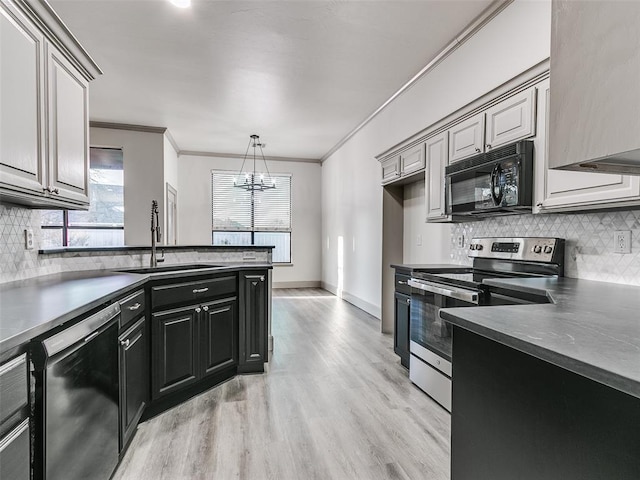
(254, 181)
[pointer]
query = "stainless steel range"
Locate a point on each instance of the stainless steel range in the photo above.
(430, 337)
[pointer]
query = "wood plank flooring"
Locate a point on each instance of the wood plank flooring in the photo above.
(334, 404)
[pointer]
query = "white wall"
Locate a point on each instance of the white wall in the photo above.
(143, 177)
(435, 238)
(194, 211)
(170, 177)
(517, 39)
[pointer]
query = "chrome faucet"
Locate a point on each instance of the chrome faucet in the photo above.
(156, 235)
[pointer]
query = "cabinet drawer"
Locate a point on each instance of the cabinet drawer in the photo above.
(14, 393)
(14, 453)
(131, 308)
(190, 292)
(402, 284)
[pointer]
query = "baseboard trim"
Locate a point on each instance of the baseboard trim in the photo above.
(300, 284)
(354, 300)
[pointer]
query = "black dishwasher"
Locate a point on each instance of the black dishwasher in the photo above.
(76, 408)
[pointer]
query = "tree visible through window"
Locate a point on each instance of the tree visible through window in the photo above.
(240, 217)
(103, 224)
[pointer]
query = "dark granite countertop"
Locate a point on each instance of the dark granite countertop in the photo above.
(169, 248)
(591, 328)
(428, 267)
(29, 308)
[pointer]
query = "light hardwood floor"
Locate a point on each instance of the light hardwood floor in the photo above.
(334, 404)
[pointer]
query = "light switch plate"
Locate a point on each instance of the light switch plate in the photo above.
(419, 240)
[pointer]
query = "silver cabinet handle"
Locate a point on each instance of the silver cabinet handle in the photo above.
(477, 150)
(125, 343)
(408, 301)
(488, 146)
(205, 308)
(135, 306)
(51, 190)
(197, 309)
(262, 278)
(200, 290)
(539, 205)
(401, 282)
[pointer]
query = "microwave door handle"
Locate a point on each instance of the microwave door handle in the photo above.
(496, 197)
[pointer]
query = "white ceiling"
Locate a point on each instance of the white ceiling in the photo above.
(301, 74)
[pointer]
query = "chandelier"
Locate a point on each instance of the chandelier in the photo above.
(254, 181)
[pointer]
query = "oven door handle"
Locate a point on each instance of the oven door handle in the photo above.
(469, 296)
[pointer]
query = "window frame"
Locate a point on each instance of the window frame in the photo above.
(253, 231)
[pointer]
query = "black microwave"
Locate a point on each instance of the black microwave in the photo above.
(498, 182)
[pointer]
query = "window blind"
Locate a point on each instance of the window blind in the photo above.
(234, 209)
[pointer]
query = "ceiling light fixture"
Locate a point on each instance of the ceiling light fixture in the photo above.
(253, 181)
(181, 3)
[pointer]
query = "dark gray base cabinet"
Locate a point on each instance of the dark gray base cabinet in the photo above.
(192, 343)
(134, 378)
(253, 321)
(402, 310)
(175, 350)
(514, 416)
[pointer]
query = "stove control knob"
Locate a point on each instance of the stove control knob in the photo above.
(537, 249)
(472, 246)
(548, 249)
(479, 246)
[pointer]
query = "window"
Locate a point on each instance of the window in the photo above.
(245, 218)
(103, 224)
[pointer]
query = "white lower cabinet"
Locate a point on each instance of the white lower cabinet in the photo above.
(437, 157)
(560, 190)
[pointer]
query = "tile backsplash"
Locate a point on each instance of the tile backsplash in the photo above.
(17, 263)
(589, 241)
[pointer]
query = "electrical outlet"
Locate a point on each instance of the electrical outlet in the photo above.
(460, 241)
(28, 239)
(419, 240)
(622, 241)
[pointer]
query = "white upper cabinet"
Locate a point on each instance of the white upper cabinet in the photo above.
(402, 165)
(511, 120)
(437, 160)
(68, 130)
(412, 160)
(390, 169)
(560, 190)
(44, 122)
(467, 138)
(595, 86)
(21, 94)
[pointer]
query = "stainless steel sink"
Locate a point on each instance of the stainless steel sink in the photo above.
(168, 268)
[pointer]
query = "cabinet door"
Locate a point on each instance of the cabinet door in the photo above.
(134, 379)
(14, 454)
(175, 350)
(22, 167)
(511, 120)
(218, 336)
(68, 119)
(390, 169)
(402, 309)
(412, 160)
(253, 322)
(558, 190)
(437, 158)
(466, 138)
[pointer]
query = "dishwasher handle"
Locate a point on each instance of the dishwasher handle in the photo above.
(83, 331)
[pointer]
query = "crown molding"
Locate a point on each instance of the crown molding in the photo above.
(474, 27)
(130, 127)
(235, 155)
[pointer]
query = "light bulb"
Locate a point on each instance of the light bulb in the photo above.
(181, 3)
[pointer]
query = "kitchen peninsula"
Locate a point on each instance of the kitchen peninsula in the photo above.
(548, 391)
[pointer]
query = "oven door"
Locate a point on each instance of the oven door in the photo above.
(427, 330)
